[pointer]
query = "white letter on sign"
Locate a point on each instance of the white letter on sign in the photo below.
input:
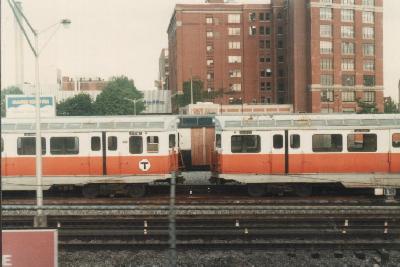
(144, 165)
(6, 260)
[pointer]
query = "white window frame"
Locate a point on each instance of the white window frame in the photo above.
(233, 18)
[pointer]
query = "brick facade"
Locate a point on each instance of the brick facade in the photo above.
(280, 50)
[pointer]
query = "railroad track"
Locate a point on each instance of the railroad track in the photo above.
(226, 226)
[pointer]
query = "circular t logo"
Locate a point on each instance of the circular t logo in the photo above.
(144, 165)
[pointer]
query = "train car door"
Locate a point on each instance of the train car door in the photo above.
(394, 154)
(113, 141)
(295, 153)
(278, 154)
(96, 159)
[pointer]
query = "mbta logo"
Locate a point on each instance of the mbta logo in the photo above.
(144, 165)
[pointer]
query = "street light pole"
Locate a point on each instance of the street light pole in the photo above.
(38, 166)
(39, 220)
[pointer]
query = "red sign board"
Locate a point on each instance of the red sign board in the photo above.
(33, 248)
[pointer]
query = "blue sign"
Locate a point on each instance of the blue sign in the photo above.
(17, 101)
(23, 106)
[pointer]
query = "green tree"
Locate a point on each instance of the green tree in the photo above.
(366, 107)
(390, 106)
(117, 98)
(11, 90)
(185, 98)
(79, 105)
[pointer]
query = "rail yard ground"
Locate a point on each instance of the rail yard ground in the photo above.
(230, 258)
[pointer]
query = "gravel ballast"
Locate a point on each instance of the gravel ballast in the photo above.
(228, 258)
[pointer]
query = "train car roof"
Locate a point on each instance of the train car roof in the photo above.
(94, 123)
(307, 121)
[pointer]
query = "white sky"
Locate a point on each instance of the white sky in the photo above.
(115, 37)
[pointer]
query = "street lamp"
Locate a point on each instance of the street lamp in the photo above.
(134, 102)
(39, 219)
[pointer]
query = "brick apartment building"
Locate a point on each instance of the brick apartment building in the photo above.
(319, 55)
(163, 66)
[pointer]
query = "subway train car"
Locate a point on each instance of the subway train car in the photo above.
(296, 152)
(104, 155)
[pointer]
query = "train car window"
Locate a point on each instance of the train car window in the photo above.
(362, 142)
(152, 144)
(218, 140)
(27, 146)
(278, 141)
(294, 141)
(136, 145)
(112, 143)
(172, 141)
(327, 143)
(95, 143)
(2, 144)
(64, 145)
(245, 144)
(396, 140)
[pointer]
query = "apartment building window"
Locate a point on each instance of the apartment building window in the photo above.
(262, 86)
(369, 80)
(234, 18)
(280, 30)
(348, 80)
(252, 30)
(347, 48)
(325, 13)
(209, 20)
(234, 45)
(234, 31)
(236, 87)
(347, 2)
(210, 76)
(234, 59)
(261, 31)
(369, 96)
(267, 16)
(347, 64)
(280, 15)
(347, 32)
(235, 74)
(327, 79)
(209, 48)
(210, 62)
(281, 87)
(348, 96)
(265, 86)
(325, 47)
(281, 59)
(210, 34)
(368, 2)
(252, 16)
(326, 1)
(265, 44)
(327, 96)
(369, 65)
(325, 30)
(368, 17)
(368, 33)
(368, 49)
(261, 16)
(326, 64)
(347, 14)
(280, 44)
(267, 30)
(281, 73)
(265, 59)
